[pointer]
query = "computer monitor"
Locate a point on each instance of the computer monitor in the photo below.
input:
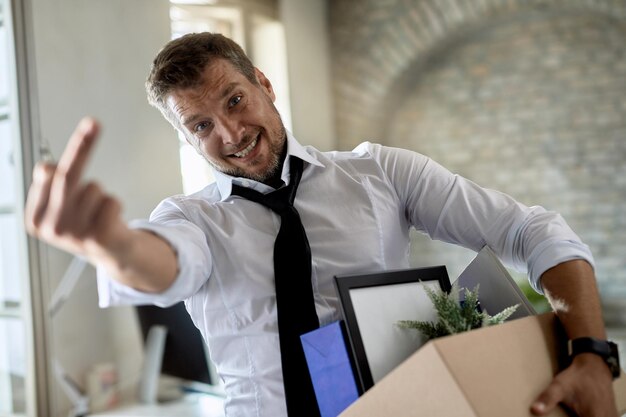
(185, 355)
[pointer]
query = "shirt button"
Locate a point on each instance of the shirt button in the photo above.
(245, 183)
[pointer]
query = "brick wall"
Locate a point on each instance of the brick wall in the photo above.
(528, 97)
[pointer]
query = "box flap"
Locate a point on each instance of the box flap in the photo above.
(421, 386)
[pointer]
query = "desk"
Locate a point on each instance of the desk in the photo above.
(191, 405)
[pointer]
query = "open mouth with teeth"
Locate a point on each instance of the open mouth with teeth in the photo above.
(245, 151)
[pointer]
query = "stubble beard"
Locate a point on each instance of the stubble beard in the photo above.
(277, 153)
(273, 164)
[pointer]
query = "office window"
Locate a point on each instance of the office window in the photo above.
(240, 22)
(187, 17)
(13, 361)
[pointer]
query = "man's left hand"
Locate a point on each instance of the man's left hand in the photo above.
(585, 387)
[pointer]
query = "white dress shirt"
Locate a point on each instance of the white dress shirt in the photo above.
(357, 208)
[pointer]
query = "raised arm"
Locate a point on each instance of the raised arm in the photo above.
(79, 217)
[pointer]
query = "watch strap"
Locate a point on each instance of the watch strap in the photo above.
(604, 348)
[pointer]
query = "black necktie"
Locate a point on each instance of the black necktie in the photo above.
(294, 293)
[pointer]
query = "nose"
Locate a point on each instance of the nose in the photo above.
(231, 130)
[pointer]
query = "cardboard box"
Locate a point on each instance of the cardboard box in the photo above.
(491, 372)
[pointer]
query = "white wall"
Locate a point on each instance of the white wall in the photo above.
(308, 59)
(92, 57)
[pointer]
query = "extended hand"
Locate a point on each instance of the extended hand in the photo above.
(66, 212)
(585, 387)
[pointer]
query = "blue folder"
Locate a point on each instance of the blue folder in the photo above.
(330, 368)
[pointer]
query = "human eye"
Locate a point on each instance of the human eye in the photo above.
(234, 101)
(201, 128)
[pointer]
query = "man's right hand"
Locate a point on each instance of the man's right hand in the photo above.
(71, 214)
(79, 217)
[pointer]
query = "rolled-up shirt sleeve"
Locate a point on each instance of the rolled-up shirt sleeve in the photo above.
(453, 209)
(193, 256)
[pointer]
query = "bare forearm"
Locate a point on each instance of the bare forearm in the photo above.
(141, 260)
(573, 294)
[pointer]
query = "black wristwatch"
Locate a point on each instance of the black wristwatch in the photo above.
(604, 348)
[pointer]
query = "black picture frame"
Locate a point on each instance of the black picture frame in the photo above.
(371, 304)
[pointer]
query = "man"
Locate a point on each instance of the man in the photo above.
(213, 248)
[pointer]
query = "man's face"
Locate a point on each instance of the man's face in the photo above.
(232, 122)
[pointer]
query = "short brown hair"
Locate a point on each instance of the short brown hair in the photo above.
(181, 62)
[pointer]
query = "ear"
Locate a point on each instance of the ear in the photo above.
(265, 84)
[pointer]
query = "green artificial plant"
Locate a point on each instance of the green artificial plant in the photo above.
(453, 316)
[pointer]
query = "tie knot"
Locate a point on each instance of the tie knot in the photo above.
(281, 200)
(277, 201)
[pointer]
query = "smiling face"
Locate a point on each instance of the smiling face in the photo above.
(232, 122)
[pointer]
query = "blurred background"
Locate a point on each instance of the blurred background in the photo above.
(526, 97)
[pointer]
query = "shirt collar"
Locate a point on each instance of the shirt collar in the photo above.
(294, 148)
